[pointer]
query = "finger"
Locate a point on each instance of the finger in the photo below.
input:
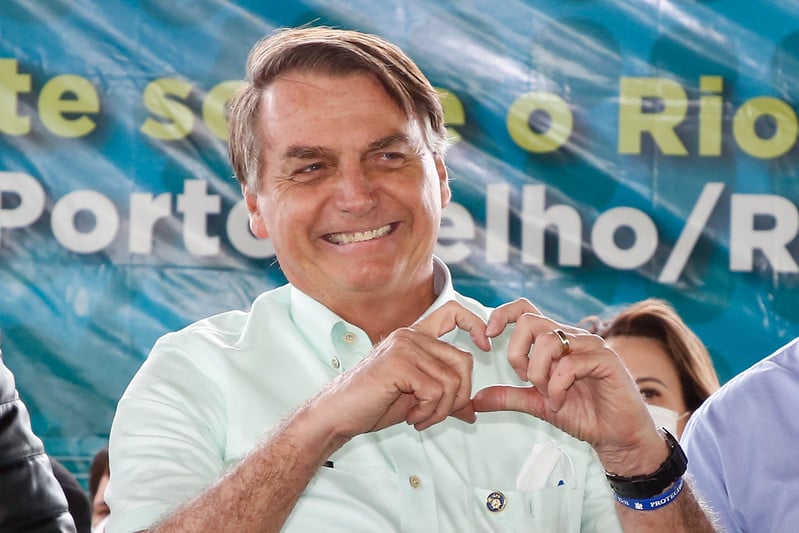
(451, 366)
(546, 351)
(509, 398)
(466, 413)
(426, 390)
(589, 363)
(508, 314)
(449, 371)
(453, 315)
(530, 353)
(434, 405)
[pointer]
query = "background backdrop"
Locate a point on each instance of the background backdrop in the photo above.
(606, 151)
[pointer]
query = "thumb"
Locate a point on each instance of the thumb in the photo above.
(509, 398)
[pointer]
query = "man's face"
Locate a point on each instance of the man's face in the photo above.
(351, 195)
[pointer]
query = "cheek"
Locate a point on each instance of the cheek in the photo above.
(675, 402)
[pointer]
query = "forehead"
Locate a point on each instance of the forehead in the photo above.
(324, 110)
(644, 356)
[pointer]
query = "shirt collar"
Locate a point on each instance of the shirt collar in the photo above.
(340, 344)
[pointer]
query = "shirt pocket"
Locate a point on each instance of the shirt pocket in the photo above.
(340, 499)
(547, 510)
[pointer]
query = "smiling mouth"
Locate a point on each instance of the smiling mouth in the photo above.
(359, 236)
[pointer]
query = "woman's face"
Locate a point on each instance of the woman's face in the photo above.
(654, 373)
(99, 507)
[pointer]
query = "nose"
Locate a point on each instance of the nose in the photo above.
(356, 192)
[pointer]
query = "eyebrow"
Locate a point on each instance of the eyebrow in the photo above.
(311, 152)
(638, 381)
(306, 152)
(388, 140)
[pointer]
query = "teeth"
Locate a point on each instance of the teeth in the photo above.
(359, 236)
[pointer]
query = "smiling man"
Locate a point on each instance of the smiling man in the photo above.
(348, 399)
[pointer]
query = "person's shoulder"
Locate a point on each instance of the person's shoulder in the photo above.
(786, 358)
(768, 380)
(231, 323)
(784, 362)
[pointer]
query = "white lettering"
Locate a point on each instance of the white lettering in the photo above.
(456, 224)
(31, 200)
(644, 243)
(195, 205)
(745, 238)
(64, 218)
(144, 213)
(535, 220)
(88, 222)
(497, 222)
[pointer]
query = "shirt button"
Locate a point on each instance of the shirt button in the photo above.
(415, 481)
(349, 338)
(335, 362)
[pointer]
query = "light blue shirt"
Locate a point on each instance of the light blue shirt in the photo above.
(743, 446)
(207, 395)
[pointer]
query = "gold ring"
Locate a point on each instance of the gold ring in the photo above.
(564, 340)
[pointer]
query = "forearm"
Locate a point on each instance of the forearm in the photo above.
(684, 514)
(260, 492)
(677, 511)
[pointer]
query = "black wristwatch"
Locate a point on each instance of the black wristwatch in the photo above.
(648, 486)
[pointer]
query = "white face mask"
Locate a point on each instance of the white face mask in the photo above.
(100, 527)
(665, 417)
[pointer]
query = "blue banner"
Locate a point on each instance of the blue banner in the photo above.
(605, 152)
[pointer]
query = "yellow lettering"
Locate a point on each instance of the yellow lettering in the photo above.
(11, 84)
(214, 107)
(560, 125)
(178, 118)
(454, 115)
(634, 121)
(743, 127)
(710, 115)
(53, 105)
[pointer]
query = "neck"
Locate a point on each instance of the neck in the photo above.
(380, 314)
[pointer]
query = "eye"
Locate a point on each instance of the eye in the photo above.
(649, 393)
(310, 172)
(313, 167)
(389, 159)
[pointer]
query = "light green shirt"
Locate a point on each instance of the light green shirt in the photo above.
(207, 394)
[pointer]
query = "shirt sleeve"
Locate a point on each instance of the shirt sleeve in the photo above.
(167, 440)
(706, 468)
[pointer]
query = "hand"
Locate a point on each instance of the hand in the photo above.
(410, 376)
(586, 392)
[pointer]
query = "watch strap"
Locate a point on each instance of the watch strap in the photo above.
(650, 485)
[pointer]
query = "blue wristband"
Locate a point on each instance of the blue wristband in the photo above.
(656, 502)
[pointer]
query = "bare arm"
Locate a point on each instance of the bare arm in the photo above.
(685, 514)
(261, 491)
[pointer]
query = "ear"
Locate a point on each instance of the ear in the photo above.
(441, 169)
(257, 222)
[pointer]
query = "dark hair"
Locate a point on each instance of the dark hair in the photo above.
(332, 52)
(98, 469)
(656, 319)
